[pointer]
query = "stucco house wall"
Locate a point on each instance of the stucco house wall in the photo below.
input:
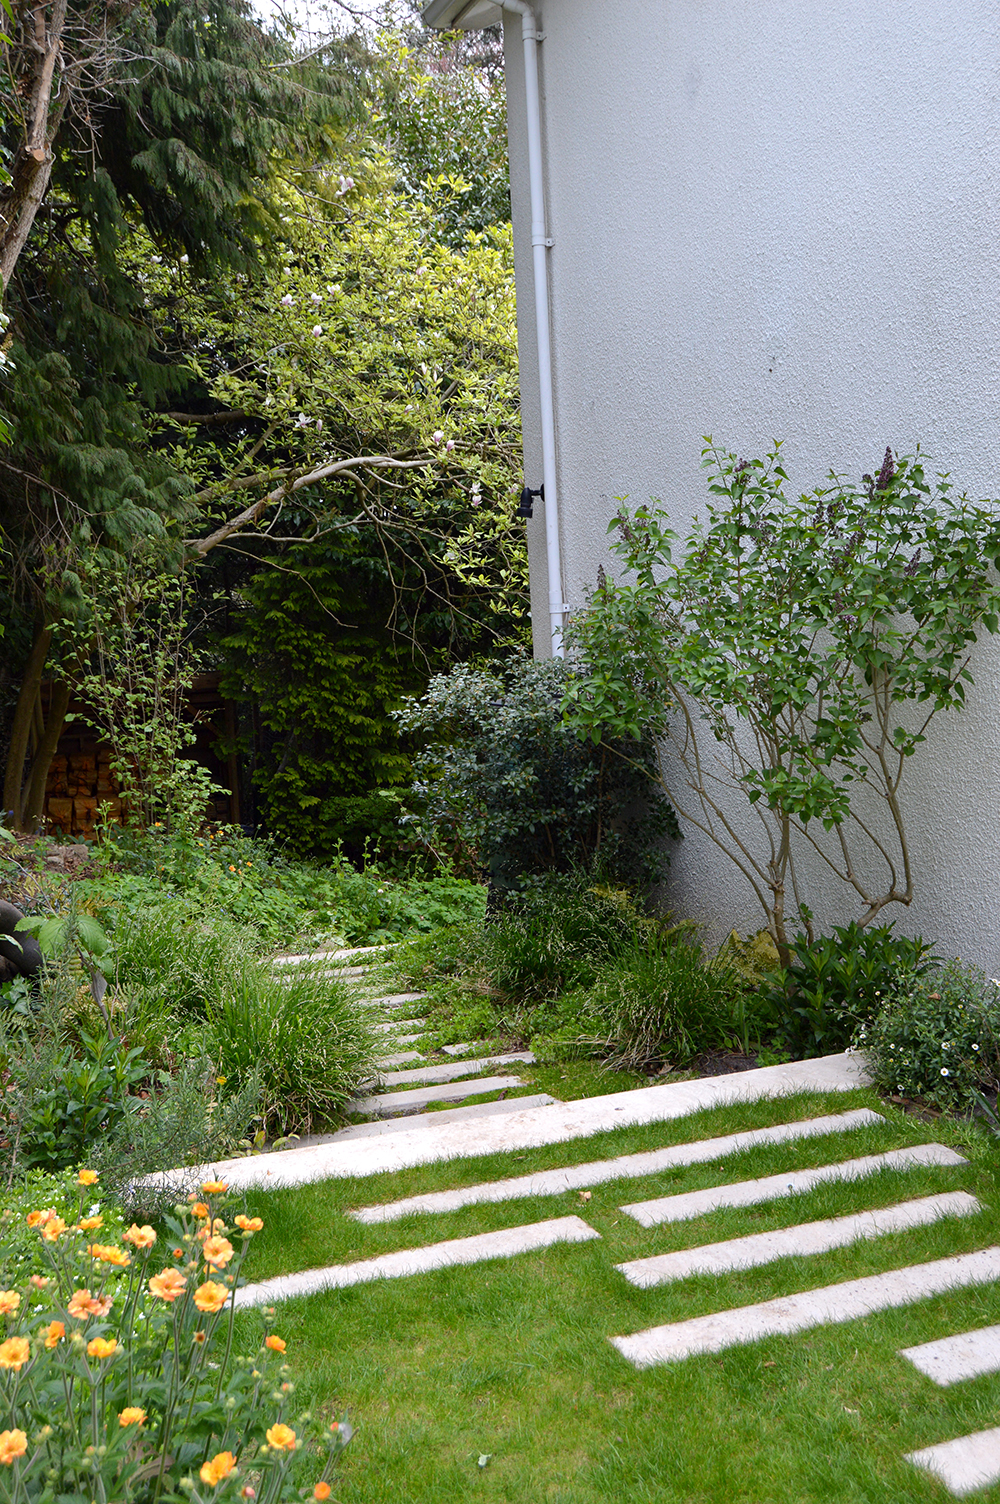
(775, 220)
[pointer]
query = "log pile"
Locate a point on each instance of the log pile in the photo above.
(81, 788)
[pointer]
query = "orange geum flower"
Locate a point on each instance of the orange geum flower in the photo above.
(102, 1347)
(282, 1438)
(90, 1224)
(321, 1491)
(132, 1415)
(248, 1224)
(276, 1344)
(15, 1352)
(214, 1187)
(220, 1466)
(9, 1302)
(200, 1209)
(167, 1285)
(108, 1253)
(198, 1336)
(13, 1444)
(217, 1251)
(210, 1296)
(54, 1333)
(53, 1227)
(80, 1304)
(34, 1218)
(38, 1280)
(140, 1237)
(87, 1177)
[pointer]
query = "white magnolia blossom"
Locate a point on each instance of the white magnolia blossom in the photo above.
(317, 330)
(437, 435)
(317, 297)
(287, 301)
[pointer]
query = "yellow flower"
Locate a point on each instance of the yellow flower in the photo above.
(9, 1302)
(109, 1254)
(282, 1438)
(321, 1492)
(248, 1224)
(15, 1352)
(54, 1333)
(13, 1444)
(167, 1285)
(276, 1344)
(132, 1415)
(218, 1468)
(53, 1227)
(214, 1187)
(210, 1296)
(217, 1251)
(90, 1224)
(140, 1237)
(87, 1177)
(102, 1347)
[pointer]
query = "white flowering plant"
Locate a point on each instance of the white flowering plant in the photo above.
(119, 1379)
(937, 1037)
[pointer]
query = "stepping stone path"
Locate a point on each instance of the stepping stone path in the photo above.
(402, 1134)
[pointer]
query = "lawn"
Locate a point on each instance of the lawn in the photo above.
(510, 1360)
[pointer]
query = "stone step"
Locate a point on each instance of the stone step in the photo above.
(626, 1167)
(459, 1049)
(394, 1000)
(965, 1465)
(392, 1103)
(804, 1239)
(951, 1360)
(394, 1024)
(400, 1059)
(474, 1250)
(827, 1306)
(752, 1192)
(453, 1070)
(428, 1120)
(526, 1129)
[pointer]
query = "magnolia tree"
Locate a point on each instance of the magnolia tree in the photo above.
(790, 660)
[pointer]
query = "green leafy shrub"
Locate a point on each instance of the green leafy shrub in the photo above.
(936, 1036)
(834, 984)
(119, 1376)
(505, 786)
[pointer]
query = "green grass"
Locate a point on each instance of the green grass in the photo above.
(511, 1358)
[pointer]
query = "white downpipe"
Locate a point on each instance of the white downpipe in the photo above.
(539, 246)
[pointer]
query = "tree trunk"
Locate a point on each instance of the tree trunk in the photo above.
(32, 165)
(13, 784)
(34, 799)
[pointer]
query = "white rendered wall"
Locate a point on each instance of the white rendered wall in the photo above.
(777, 219)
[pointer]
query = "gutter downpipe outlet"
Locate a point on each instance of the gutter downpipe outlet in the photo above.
(539, 245)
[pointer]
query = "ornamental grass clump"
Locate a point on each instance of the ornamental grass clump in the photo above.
(937, 1037)
(118, 1378)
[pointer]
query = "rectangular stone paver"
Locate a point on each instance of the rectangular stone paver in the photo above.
(396, 1102)
(402, 1057)
(804, 1238)
(528, 1129)
(400, 1023)
(394, 1000)
(625, 1167)
(794, 1182)
(964, 1465)
(453, 1070)
(950, 1360)
(826, 1306)
(486, 1245)
(435, 1120)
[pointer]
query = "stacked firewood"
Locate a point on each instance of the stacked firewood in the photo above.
(81, 789)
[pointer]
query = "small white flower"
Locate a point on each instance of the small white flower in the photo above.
(945, 1071)
(317, 297)
(268, 400)
(437, 435)
(302, 421)
(319, 424)
(450, 445)
(287, 301)
(975, 1047)
(317, 330)
(408, 408)
(184, 260)
(156, 260)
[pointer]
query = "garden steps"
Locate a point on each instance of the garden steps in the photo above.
(451, 1070)
(397, 1103)
(419, 1120)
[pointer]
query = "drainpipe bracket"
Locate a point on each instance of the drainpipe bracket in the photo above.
(542, 240)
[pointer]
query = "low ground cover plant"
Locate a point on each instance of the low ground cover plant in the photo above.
(119, 1375)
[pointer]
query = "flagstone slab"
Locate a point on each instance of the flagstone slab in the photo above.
(769, 1188)
(392, 1103)
(625, 1167)
(828, 1306)
(965, 1465)
(393, 1000)
(402, 1057)
(531, 1128)
(805, 1238)
(453, 1070)
(398, 1023)
(951, 1360)
(487, 1245)
(458, 1049)
(430, 1120)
